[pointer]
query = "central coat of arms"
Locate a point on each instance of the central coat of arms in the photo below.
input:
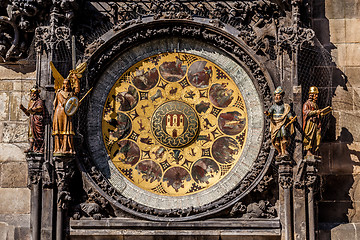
(175, 124)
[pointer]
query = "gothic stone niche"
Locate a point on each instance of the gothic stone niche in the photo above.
(181, 128)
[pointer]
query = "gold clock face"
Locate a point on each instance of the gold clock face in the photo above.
(174, 124)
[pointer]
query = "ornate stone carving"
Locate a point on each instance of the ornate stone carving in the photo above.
(18, 27)
(264, 184)
(50, 37)
(285, 171)
(292, 37)
(257, 21)
(94, 206)
(65, 170)
(262, 209)
(133, 38)
(306, 174)
(34, 161)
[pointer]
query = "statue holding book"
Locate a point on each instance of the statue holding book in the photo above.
(312, 122)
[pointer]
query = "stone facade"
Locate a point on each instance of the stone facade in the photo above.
(336, 24)
(15, 81)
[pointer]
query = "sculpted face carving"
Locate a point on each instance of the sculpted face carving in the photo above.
(174, 124)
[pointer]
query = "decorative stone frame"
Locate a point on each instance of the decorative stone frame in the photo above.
(117, 44)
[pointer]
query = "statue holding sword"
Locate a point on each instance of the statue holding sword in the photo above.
(281, 123)
(65, 105)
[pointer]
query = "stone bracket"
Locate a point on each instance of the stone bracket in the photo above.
(35, 162)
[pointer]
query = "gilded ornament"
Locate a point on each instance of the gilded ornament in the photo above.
(174, 124)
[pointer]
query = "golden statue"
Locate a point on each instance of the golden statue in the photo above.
(312, 122)
(65, 105)
(281, 123)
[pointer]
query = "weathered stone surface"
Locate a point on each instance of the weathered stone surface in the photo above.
(13, 132)
(6, 85)
(337, 187)
(334, 9)
(337, 30)
(23, 72)
(11, 152)
(14, 200)
(341, 161)
(325, 153)
(343, 99)
(343, 231)
(351, 8)
(23, 85)
(356, 97)
(339, 55)
(354, 150)
(352, 74)
(349, 123)
(352, 55)
(15, 227)
(4, 106)
(352, 30)
(17, 98)
(319, 9)
(13, 175)
(334, 211)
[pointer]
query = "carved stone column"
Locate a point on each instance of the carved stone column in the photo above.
(35, 162)
(310, 180)
(286, 183)
(64, 169)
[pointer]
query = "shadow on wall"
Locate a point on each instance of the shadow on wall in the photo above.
(338, 188)
(340, 182)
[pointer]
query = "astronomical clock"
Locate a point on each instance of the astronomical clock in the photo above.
(173, 125)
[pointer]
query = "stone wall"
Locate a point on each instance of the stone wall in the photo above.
(337, 26)
(15, 82)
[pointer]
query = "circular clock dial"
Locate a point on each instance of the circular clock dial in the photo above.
(174, 124)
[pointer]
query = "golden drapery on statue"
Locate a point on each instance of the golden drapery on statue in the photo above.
(312, 122)
(63, 130)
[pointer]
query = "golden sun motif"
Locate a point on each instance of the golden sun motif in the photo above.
(174, 124)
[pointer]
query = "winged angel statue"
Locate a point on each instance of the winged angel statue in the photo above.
(65, 105)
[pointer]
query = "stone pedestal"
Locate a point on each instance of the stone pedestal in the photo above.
(35, 162)
(64, 169)
(286, 182)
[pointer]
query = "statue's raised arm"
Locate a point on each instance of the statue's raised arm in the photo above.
(65, 105)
